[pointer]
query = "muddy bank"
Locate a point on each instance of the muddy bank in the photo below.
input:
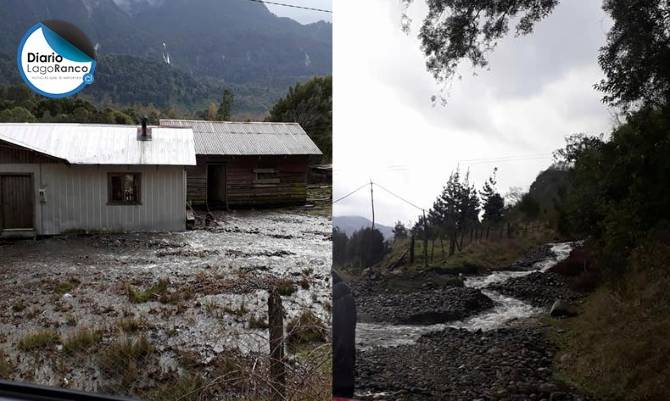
(455, 364)
(426, 307)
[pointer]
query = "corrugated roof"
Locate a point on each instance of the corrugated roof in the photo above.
(103, 144)
(247, 138)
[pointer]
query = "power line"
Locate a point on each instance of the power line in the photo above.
(292, 6)
(509, 160)
(385, 190)
(511, 157)
(351, 193)
(400, 197)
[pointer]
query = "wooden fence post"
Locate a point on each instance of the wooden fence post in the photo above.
(276, 325)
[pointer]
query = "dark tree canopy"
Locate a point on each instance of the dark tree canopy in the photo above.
(399, 231)
(461, 29)
(365, 248)
(311, 105)
(492, 203)
(635, 58)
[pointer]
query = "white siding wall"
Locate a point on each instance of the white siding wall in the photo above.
(76, 198)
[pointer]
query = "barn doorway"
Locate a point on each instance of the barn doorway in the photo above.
(216, 185)
(16, 202)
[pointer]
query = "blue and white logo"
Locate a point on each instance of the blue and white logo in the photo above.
(52, 65)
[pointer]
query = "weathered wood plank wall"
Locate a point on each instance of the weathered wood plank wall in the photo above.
(242, 186)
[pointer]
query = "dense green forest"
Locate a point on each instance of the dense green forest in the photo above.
(127, 81)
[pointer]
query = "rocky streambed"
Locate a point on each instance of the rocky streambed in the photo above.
(488, 347)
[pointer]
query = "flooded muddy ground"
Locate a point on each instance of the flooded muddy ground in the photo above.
(137, 313)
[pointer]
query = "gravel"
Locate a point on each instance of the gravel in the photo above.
(455, 364)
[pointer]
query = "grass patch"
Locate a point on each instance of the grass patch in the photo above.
(218, 311)
(304, 329)
(39, 340)
(66, 286)
(125, 358)
(240, 311)
(6, 367)
(479, 254)
(71, 320)
(189, 387)
(81, 340)
(286, 287)
(130, 325)
(618, 347)
(138, 296)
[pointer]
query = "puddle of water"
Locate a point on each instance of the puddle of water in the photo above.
(506, 308)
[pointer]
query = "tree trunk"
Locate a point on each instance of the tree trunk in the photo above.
(411, 250)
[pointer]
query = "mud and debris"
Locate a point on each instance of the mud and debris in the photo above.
(199, 295)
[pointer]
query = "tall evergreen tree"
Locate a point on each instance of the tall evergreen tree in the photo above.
(493, 203)
(226, 106)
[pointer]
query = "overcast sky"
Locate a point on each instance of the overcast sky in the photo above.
(300, 15)
(538, 90)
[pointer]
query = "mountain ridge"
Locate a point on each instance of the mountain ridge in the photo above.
(232, 43)
(349, 224)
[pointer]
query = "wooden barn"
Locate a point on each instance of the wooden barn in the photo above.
(59, 178)
(248, 163)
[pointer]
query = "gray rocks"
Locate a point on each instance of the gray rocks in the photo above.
(539, 289)
(505, 364)
(426, 307)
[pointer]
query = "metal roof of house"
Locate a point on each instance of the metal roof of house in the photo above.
(103, 144)
(247, 138)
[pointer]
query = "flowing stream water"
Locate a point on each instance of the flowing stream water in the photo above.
(506, 308)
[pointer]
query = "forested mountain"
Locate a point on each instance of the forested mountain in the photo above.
(180, 46)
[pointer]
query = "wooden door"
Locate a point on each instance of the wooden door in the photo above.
(216, 184)
(16, 202)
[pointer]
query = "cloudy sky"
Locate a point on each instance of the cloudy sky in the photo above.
(538, 90)
(300, 15)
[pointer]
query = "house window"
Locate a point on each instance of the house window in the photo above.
(124, 188)
(266, 176)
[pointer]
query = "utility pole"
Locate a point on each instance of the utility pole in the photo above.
(425, 239)
(372, 201)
